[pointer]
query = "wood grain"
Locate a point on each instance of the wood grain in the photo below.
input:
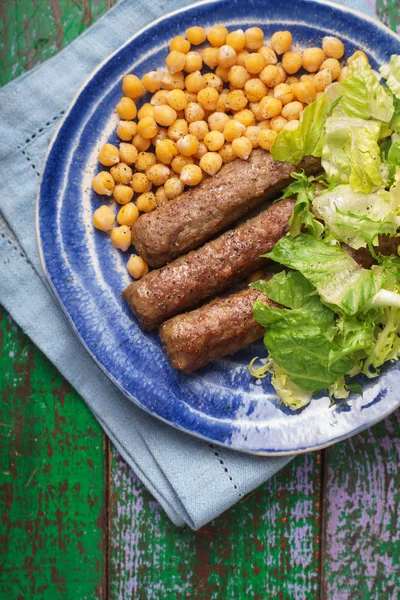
(51, 483)
(265, 547)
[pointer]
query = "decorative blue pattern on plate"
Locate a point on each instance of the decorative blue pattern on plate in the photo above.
(222, 402)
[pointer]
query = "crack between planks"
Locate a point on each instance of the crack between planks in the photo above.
(322, 529)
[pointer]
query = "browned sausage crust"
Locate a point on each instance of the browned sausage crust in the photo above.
(208, 271)
(200, 213)
(217, 329)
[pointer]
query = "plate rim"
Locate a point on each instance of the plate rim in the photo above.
(237, 448)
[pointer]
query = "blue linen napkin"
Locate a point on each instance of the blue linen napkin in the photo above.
(193, 480)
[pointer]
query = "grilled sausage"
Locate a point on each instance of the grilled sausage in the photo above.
(226, 325)
(217, 329)
(208, 271)
(211, 207)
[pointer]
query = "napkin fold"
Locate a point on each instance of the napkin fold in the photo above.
(193, 480)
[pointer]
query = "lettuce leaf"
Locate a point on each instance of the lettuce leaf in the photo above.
(292, 145)
(302, 218)
(357, 219)
(387, 342)
(391, 72)
(339, 280)
(351, 153)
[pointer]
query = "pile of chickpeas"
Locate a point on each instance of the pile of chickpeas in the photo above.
(196, 121)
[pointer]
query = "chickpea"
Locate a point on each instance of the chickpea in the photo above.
(127, 153)
(292, 125)
(202, 150)
(264, 124)
(145, 160)
(227, 154)
(146, 202)
(312, 59)
(166, 150)
(126, 108)
(242, 147)
(108, 155)
(159, 98)
(177, 100)
(292, 62)
(255, 109)
(223, 73)
(252, 133)
(164, 115)
(173, 187)
(236, 40)
(245, 117)
(158, 174)
(343, 74)
(282, 72)
(332, 47)
(103, 183)
(307, 77)
(241, 57)
(238, 76)
(292, 79)
(292, 111)
(195, 82)
(191, 175)
(145, 111)
(217, 35)
(214, 140)
(334, 67)
(222, 101)
(161, 198)
(255, 62)
(194, 112)
(178, 129)
(284, 93)
(140, 143)
(281, 41)
(208, 98)
(140, 183)
(217, 121)
(179, 162)
(267, 138)
(304, 91)
(121, 237)
(175, 61)
(212, 80)
(136, 266)
(236, 100)
(191, 97)
(233, 129)
(196, 35)
(270, 76)
(128, 214)
(174, 81)
(122, 193)
(147, 127)
(151, 81)
(226, 56)
(254, 38)
(132, 87)
(268, 54)
(255, 89)
(103, 218)
(211, 163)
(162, 134)
(211, 57)
(193, 62)
(278, 123)
(126, 130)
(199, 129)
(188, 145)
(322, 79)
(179, 44)
(121, 173)
(270, 107)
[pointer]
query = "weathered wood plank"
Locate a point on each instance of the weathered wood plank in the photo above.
(51, 480)
(265, 547)
(362, 553)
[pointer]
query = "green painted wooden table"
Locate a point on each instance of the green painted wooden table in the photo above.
(77, 524)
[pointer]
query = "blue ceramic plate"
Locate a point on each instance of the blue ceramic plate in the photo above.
(221, 402)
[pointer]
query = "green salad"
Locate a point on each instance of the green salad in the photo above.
(337, 319)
